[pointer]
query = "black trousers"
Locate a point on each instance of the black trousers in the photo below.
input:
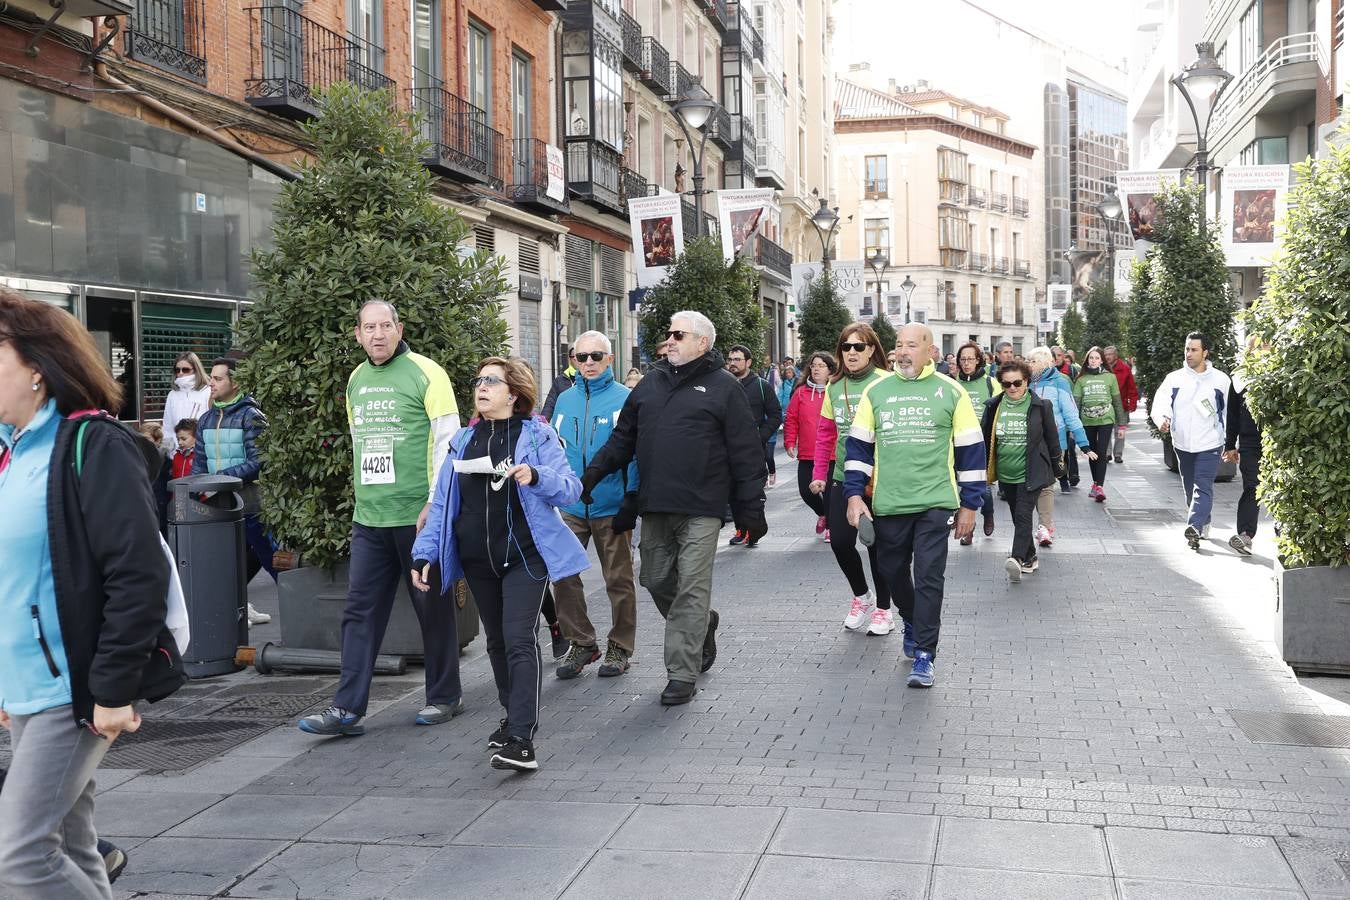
(815, 501)
(1021, 505)
(844, 543)
(1249, 465)
(1070, 463)
(769, 447)
(1099, 440)
(509, 606)
(380, 558)
(916, 542)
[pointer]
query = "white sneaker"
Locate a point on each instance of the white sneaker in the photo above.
(858, 611)
(1014, 570)
(1044, 536)
(1204, 532)
(257, 618)
(883, 622)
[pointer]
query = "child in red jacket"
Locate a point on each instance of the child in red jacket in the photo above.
(799, 429)
(186, 433)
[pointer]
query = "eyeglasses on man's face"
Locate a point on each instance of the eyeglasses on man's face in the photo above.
(737, 359)
(593, 356)
(487, 381)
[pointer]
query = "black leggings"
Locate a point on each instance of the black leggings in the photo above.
(844, 543)
(1099, 441)
(815, 501)
(769, 447)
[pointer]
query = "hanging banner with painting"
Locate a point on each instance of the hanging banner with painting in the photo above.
(1253, 198)
(739, 214)
(657, 225)
(1139, 192)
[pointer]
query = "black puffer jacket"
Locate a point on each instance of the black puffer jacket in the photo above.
(765, 410)
(110, 572)
(691, 429)
(1044, 458)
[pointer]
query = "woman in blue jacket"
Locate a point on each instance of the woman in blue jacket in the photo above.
(494, 522)
(1052, 385)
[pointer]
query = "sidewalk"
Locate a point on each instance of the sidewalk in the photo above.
(1080, 742)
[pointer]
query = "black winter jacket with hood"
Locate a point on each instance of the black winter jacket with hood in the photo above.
(690, 427)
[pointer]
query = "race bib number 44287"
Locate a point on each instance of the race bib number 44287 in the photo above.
(377, 462)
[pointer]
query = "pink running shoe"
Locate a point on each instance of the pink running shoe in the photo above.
(858, 612)
(820, 525)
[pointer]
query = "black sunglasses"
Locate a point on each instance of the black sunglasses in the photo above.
(856, 348)
(489, 380)
(676, 335)
(594, 356)
(183, 370)
(1016, 382)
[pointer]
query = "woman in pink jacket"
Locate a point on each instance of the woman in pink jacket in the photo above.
(799, 430)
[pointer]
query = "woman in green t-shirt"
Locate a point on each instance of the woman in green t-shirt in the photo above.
(1097, 393)
(981, 386)
(1024, 455)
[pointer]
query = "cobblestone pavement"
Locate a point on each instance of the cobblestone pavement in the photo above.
(1080, 742)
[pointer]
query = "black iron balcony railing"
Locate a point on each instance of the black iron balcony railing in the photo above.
(977, 262)
(463, 145)
(655, 70)
(719, 11)
(719, 125)
(681, 82)
(169, 35)
(632, 43)
(773, 257)
(975, 197)
(1020, 207)
(998, 200)
(530, 178)
(999, 264)
(1022, 268)
(632, 185)
(593, 174)
(292, 57)
(746, 138)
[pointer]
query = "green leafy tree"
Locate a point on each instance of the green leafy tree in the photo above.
(702, 281)
(823, 317)
(1298, 390)
(1070, 332)
(1103, 317)
(885, 331)
(1183, 287)
(360, 224)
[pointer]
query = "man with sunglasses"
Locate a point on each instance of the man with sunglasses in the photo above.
(584, 418)
(689, 426)
(402, 414)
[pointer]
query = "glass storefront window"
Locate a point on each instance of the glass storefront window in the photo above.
(113, 326)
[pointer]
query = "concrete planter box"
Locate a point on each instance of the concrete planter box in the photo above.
(1312, 618)
(311, 601)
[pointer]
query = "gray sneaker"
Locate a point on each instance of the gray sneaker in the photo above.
(332, 721)
(437, 713)
(576, 660)
(616, 661)
(1241, 543)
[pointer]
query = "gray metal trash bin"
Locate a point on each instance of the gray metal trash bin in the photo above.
(207, 540)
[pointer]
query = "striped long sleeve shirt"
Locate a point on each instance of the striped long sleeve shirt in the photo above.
(920, 440)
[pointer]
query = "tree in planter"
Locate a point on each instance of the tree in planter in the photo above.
(1070, 332)
(1182, 286)
(702, 281)
(823, 317)
(884, 329)
(360, 224)
(1103, 317)
(1297, 389)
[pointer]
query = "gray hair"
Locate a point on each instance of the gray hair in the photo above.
(1001, 344)
(703, 326)
(1041, 356)
(385, 303)
(597, 335)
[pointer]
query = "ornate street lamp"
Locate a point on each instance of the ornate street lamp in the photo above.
(878, 262)
(693, 110)
(1110, 211)
(1201, 83)
(825, 220)
(907, 286)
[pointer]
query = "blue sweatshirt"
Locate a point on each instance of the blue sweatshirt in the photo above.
(584, 418)
(34, 674)
(1053, 386)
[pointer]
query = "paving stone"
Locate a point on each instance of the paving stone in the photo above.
(804, 878)
(716, 830)
(960, 883)
(856, 835)
(1231, 860)
(193, 865)
(124, 814)
(262, 817)
(1141, 889)
(1038, 847)
(456, 871)
(661, 875)
(334, 872)
(389, 820)
(531, 823)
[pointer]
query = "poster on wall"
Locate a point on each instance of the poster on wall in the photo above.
(848, 281)
(1139, 193)
(739, 214)
(657, 225)
(1253, 198)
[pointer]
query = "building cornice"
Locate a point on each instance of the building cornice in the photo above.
(940, 124)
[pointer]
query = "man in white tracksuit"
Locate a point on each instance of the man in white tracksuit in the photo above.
(1190, 406)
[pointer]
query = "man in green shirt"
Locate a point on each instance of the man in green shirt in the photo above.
(402, 414)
